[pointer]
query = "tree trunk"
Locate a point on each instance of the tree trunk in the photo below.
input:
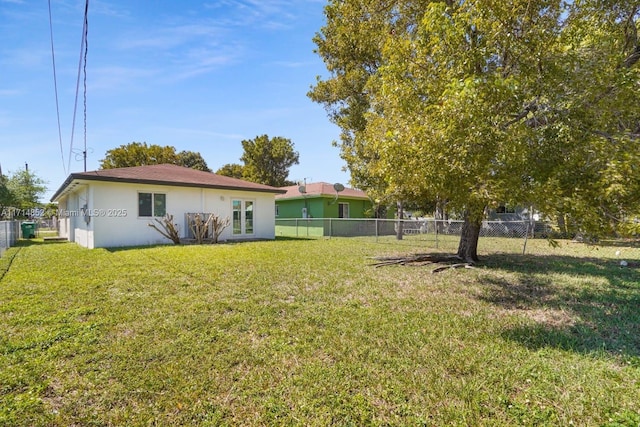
(562, 226)
(468, 246)
(399, 228)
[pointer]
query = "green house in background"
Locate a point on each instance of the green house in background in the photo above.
(322, 200)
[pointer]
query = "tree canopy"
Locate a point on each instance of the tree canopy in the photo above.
(6, 198)
(482, 102)
(193, 160)
(21, 190)
(267, 160)
(141, 154)
(234, 170)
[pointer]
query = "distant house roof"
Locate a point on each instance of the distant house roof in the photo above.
(319, 189)
(165, 174)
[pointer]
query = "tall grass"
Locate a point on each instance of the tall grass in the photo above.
(307, 332)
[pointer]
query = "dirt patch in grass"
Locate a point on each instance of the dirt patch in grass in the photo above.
(554, 318)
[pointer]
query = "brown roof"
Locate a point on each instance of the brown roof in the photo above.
(320, 189)
(167, 174)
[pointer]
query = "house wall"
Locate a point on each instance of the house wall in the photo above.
(73, 223)
(115, 221)
(519, 214)
(63, 223)
(321, 207)
(293, 208)
(357, 207)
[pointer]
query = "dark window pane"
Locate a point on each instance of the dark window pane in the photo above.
(159, 204)
(343, 210)
(248, 218)
(237, 217)
(144, 204)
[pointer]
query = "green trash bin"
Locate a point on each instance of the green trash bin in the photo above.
(28, 230)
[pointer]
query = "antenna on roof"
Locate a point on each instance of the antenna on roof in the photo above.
(302, 188)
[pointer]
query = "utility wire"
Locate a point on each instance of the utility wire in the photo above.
(83, 51)
(86, 50)
(55, 87)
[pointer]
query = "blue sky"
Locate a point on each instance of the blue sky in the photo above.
(197, 75)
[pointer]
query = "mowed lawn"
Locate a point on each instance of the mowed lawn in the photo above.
(307, 332)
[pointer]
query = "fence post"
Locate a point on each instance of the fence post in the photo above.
(526, 236)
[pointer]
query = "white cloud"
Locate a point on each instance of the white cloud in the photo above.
(27, 58)
(10, 92)
(169, 37)
(269, 14)
(202, 65)
(293, 64)
(199, 42)
(119, 78)
(185, 50)
(98, 7)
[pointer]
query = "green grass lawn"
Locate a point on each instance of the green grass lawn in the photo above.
(306, 332)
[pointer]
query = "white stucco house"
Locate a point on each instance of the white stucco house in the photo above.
(113, 207)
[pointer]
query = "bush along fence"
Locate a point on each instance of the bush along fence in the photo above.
(438, 232)
(9, 234)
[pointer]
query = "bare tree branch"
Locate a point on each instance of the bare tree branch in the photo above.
(168, 228)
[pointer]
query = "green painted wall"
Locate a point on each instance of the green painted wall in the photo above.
(357, 207)
(293, 208)
(321, 207)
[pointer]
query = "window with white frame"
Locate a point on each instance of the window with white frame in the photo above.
(242, 222)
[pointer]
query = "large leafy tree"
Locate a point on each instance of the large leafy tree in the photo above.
(193, 160)
(234, 170)
(25, 189)
(482, 102)
(141, 154)
(267, 160)
(6, 197)
(138, 154)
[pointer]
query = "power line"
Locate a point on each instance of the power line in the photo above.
(55, 86)
(83, 57)
(86, 50)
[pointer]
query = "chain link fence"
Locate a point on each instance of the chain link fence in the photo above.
(430, 233)
(9, 234)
